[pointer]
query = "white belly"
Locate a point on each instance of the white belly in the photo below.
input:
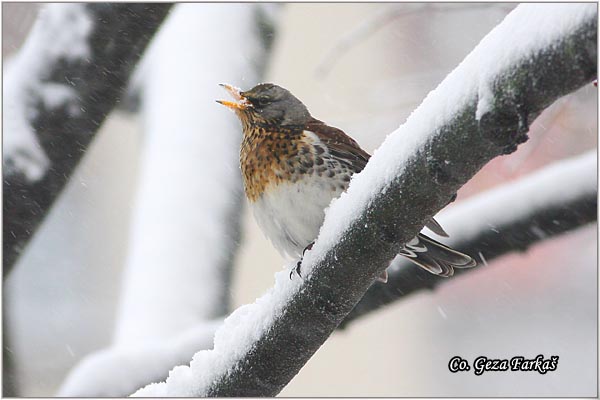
(291, 214)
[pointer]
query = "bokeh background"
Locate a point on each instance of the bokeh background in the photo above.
(361, 67)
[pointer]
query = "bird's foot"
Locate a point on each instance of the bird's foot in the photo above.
(296, 269)
(307, 248)
(299, 263)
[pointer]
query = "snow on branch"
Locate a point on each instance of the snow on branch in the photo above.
(58, 89)
(186, 221)
(117, 371)
(186, 225)
(481, 110)
(557, 199)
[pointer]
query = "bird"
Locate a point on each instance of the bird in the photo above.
(293, 165)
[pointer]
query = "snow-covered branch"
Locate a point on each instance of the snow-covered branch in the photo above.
(186, 226)
(481, 110)
(58, 89)
(117, 371)
(512, 217)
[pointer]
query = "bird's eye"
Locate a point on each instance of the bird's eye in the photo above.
(263, 100)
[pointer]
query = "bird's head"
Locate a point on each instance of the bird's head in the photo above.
(266, 103)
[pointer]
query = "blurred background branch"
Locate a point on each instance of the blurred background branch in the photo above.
(118, 371)
(186, 227)
(186, 170)
(68, 76)
(487, 230)
(58, 89)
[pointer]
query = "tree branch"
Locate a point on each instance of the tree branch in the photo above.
(480, 111)
(186, 250)
(118, 370)
(489, 232)
(68, 76)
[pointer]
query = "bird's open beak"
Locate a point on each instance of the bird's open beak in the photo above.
(241, 104)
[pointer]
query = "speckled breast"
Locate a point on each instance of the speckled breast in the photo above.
(268, 158)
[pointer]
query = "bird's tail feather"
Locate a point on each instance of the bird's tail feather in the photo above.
(435, 257)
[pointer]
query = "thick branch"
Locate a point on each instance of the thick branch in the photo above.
(186, 253)
(491, 231)
(409, 179)
(69, 75)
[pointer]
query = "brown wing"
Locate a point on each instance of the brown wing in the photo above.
(346, 150)
(341, 146)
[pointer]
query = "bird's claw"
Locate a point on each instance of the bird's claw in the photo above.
(296, 269)
(299, 263)
(309, 247)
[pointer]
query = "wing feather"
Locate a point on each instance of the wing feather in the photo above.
(341, 146)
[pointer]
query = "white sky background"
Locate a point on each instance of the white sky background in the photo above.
(542, 302)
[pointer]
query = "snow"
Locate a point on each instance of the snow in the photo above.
(186, 208)
(483, 259)
(525, 31)
(189, 181)
(539, 190)
(118, 371)
(232, 341)
(442, 312)
(22, 152)
(60, 32)
(54, 95)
